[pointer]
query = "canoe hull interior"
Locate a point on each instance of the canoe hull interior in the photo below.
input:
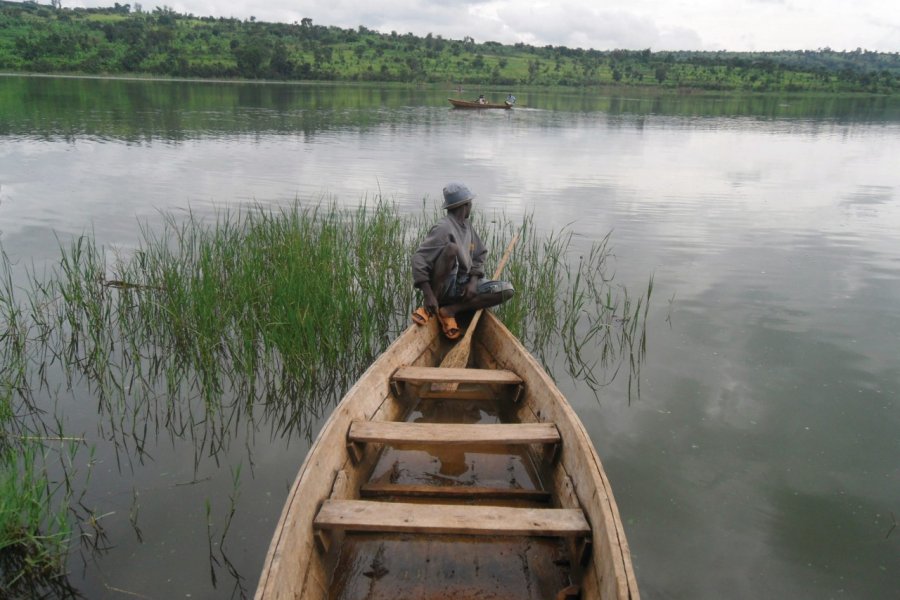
(305, 562)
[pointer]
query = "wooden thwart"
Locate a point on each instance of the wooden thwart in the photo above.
(400, 517)
(448, 375)
(380, 490)
(392, 432)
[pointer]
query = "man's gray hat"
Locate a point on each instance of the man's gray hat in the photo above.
(456, 194)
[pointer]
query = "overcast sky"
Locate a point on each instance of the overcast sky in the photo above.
(603, 25)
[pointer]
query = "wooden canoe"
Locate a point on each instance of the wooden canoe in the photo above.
(470, 104)
(451, 483)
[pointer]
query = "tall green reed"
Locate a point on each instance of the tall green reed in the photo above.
(36, 530)
(572, 309)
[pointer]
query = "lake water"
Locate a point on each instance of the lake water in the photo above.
(761, 458)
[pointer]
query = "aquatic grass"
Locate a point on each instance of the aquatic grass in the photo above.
(572, 307)
(34, 538)
(216, 547)
(207, 320)
(295, 287)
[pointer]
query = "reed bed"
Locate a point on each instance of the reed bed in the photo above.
(571, 311)
(218, 326)
(27, 554)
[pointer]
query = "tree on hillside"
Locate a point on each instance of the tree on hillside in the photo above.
(661, 73)
(252, 56)
(281, 64)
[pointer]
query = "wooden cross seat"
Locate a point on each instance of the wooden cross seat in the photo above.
(444, 382)
(494, 434)
(463, 519)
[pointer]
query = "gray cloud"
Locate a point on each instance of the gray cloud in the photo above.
(635, 24)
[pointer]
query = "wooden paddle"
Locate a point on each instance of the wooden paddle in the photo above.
(458, 357)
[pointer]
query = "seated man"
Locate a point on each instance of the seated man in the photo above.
(449, 266)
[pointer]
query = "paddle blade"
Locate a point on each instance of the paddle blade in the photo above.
(458, 357)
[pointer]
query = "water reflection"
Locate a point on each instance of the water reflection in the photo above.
(769, 225)
(141, 111)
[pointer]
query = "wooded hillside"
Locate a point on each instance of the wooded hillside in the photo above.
(125, 39)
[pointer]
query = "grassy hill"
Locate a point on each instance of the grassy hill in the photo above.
(121, 40)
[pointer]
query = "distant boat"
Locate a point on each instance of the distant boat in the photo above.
(474, 104)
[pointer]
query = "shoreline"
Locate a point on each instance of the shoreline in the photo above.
(640, 90)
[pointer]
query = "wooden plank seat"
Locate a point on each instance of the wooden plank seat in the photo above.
(402, 517)
(448, 375)
(442, 382)
(495, 434)
(469, 492)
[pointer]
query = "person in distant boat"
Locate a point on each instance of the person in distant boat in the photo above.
(481, 99)
(448, 267)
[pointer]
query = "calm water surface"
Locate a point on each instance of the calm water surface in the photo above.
(762, 456)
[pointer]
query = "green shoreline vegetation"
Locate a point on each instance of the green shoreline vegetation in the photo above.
(126, 40)
(259, 316)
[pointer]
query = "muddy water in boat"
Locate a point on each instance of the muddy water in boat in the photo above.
(373, 566)
(443, 567)
(488, 466)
